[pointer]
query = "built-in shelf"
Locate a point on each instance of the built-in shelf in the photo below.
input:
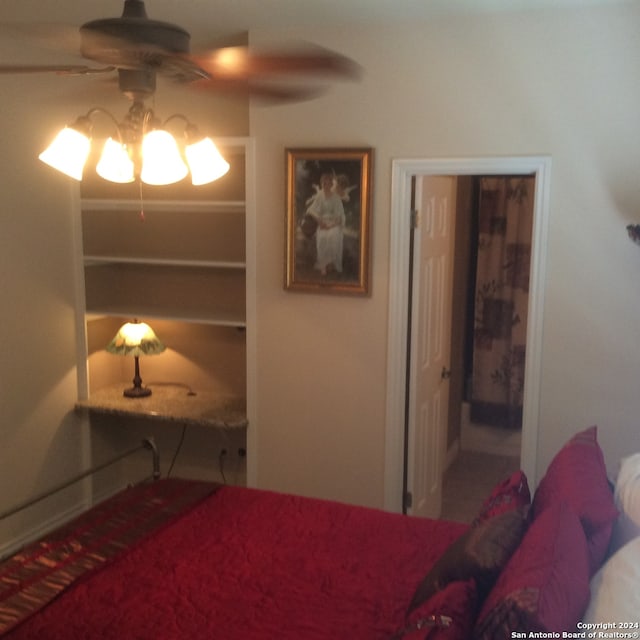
(171, 206)
(175, 256)
(183, 260)
(148, 313)
(97, 261)
(161, 290)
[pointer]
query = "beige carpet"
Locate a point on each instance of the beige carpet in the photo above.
(469, 480)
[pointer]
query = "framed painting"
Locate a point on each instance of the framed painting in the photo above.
(328, 220)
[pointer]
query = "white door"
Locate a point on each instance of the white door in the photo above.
(435, 199)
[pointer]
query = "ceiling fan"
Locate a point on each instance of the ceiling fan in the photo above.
(139, 48)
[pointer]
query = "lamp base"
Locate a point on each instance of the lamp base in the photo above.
(137, 392)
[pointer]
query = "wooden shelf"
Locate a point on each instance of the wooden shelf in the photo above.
(171, 206)
(159, 290)
(99, 260)
(149, 313)
(165, 235)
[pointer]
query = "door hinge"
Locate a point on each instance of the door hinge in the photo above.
(408, 500)
(415, 218)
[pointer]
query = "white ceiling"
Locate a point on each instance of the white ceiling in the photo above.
(229, 16)
(53, 26)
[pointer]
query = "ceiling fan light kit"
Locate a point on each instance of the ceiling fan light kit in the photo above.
(139, 48)
(141, 148)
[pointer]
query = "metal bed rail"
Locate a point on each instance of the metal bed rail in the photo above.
(148, 444)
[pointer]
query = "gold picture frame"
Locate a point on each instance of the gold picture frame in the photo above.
(328, 220)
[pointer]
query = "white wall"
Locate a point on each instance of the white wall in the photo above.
(41, 437)
(563, 83)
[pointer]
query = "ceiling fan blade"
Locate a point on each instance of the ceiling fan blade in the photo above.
(239, 62)
(61, 69)
(265, 92)
(140, 48)
(278, 94)
(47, 35)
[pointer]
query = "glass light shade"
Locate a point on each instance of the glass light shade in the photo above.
(68, 152)
(115, 164)
(161, 160)
(135, 339)
(205, 162)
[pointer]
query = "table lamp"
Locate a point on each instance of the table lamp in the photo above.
(136, 339)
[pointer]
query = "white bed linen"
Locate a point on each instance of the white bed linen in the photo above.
(615, 589)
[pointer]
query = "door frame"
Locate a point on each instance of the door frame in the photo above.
(403, 170)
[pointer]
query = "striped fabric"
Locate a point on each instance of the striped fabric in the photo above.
(42, 570)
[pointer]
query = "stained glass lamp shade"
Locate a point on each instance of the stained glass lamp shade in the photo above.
(136, 339)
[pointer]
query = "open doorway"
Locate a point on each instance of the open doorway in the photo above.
(404, 171)
(490, 265)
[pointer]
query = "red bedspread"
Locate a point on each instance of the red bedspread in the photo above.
(38, 573)
(254, 565)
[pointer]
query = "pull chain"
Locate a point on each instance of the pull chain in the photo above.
(141, 200)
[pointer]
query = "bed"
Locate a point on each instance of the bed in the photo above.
(229, 562)
(176, 558)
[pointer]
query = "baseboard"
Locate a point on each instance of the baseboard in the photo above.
(10, 547)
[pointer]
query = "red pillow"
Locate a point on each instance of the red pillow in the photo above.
(577, 476)
(545, 585)
(511, 493)
(454, 606)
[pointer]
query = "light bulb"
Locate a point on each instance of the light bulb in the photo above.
(68, 152)
(161, 161)
(205, 162)
(115, 164)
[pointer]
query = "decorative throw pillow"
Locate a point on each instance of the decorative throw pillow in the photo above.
(545, 585)
(577, 476)
(448, 615)
(511, 493)
(479, 553)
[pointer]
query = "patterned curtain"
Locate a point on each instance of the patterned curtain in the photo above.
(505, 220)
